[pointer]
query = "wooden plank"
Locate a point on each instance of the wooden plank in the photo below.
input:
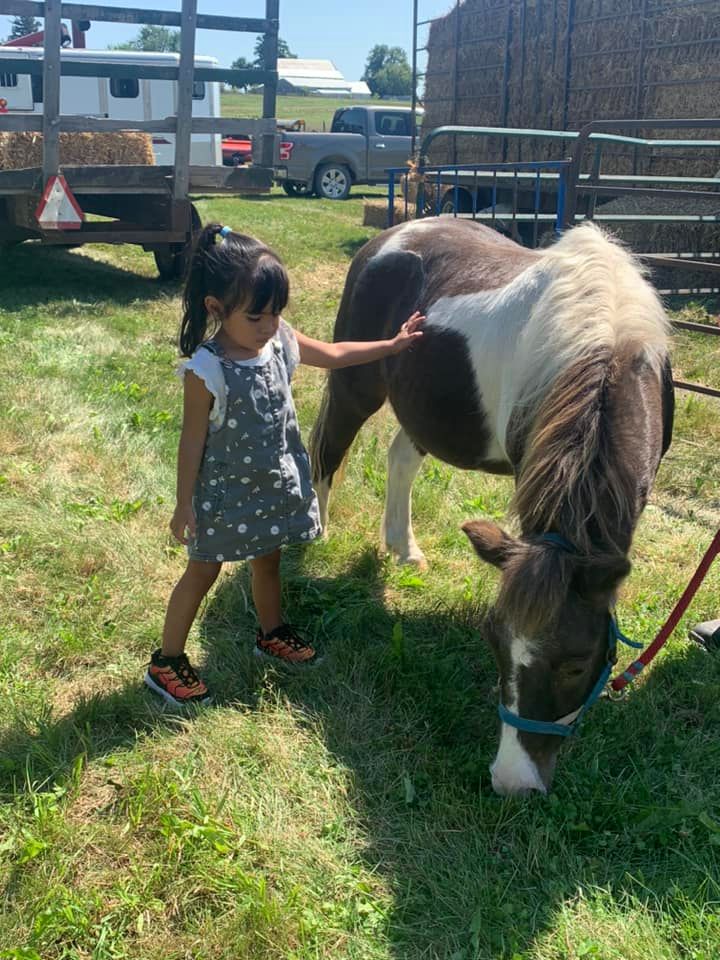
(134, 71)
(130, 178)
(165, 18)
(129, 235)
(223, 125)
(184, 99)
(250, 179)
(51, 90)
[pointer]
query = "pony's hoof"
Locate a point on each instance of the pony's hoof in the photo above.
(415, 558)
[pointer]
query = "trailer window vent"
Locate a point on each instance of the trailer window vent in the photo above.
(125, 88)
(8, 80)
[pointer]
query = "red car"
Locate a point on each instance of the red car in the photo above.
(236, 150)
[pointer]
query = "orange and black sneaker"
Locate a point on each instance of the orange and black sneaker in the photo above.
(175, 680)
(283, 644)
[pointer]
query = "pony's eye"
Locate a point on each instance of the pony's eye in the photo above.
(571, 670)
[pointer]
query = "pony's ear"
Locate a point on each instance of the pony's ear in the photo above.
(598, 582)
(490, 541)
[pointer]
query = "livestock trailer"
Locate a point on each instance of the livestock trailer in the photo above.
(145, 204)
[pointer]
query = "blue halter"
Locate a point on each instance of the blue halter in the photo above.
(556, 728)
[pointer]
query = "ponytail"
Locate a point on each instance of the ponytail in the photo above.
(237, 271)
(193, 327)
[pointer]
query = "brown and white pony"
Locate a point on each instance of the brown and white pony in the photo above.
(551, 366)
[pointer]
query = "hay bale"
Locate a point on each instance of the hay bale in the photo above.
(24, 149)
(375, 213)
(465, 76)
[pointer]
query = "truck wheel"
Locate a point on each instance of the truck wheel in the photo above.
(295, 189)
(464, 202)
(173, 259)
(165, 262)
(333, 181)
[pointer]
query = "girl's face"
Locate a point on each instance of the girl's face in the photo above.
(245, 329)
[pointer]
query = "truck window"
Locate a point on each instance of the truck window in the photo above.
(36, 82)
(8, 80)
(198, 90)
(393, 124)
(125, 88)
(351, 120)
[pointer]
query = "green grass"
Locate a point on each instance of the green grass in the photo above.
(317, 112)
(345, 813)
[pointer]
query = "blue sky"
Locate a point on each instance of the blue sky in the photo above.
(341, 31)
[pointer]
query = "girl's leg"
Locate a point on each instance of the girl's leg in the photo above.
(189, 592)
(276, 639)
(266, 590)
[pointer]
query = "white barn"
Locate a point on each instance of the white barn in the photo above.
(317, 77)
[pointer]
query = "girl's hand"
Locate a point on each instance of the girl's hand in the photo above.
(183, 520)
(408, 332)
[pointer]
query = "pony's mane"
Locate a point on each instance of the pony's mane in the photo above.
(595, 308)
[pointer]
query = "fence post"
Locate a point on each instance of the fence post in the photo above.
(272, 14)
(186, 70)
(51, 90)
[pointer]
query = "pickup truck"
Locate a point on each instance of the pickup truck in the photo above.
(362, 143)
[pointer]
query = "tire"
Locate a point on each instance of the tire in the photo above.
(333, 181)
(295, 189)
(173, 259)
(464, 204)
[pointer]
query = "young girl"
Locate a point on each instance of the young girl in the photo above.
(243, 484)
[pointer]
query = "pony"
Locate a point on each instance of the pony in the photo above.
(550, 366)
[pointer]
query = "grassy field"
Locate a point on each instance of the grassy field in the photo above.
(317, 112)
(346, 813)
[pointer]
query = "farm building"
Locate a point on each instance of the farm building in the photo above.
(317, 77)
(557, 64)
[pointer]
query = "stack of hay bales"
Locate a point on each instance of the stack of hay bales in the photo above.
(610, 78)
(21, 150)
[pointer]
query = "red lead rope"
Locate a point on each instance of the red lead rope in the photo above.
(623, 679)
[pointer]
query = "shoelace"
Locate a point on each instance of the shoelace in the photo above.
(288, 635)
(182, 667)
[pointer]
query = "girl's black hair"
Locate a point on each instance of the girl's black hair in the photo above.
(239, 271)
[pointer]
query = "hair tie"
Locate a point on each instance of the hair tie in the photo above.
(225, 232)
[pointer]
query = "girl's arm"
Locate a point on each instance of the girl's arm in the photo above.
(197, 404)
(348, 353)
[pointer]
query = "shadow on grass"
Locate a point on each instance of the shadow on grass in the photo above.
(408, 704)
(32, 274)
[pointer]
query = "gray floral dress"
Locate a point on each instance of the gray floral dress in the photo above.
(253, 492)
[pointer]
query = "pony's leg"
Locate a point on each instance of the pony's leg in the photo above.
(351, 397)
(404, 461)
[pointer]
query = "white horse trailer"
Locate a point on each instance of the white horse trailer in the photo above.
(120, 98)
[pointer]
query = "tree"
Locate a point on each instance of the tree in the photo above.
(241, 64)
(284, 52)
(22, 26)
(384, 81)
(393, 80)
(159, 39)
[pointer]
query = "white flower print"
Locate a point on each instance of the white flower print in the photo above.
(232, 423)
(247, 459)
(242, 528)
(211, 531)
(213, 483)
(274, 530)
(206, 505)
(220, 558)
(277, 484)
(245, 480)
(268, 418)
